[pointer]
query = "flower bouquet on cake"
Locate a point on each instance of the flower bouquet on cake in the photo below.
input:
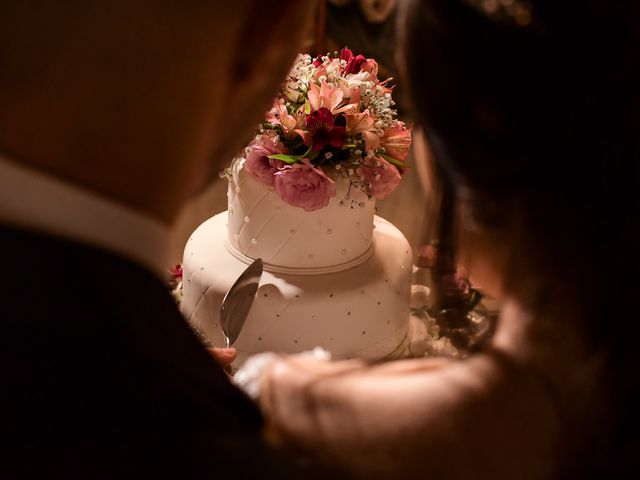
(302, 198)
(332, 114)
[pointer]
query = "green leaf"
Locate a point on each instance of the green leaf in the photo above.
(393, 161)
(290, 159)
(475, 297)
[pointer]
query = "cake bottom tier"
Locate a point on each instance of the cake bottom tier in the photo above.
(360, 312)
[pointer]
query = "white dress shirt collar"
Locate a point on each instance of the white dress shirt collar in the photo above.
(36, 201)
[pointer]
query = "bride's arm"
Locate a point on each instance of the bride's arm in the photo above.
(428, 418)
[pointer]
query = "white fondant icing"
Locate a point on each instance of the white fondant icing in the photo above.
(332, 279)
(282, 321)
(256, 214)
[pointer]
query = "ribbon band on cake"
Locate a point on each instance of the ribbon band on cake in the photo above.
(274, 268)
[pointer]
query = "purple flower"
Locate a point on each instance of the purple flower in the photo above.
(305, 186)
(258, 164)
(324, 131)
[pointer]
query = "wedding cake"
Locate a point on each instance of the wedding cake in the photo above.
(302, 198)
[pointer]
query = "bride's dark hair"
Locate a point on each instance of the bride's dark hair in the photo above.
(531, 109)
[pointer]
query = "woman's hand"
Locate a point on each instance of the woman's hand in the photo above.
(224, 356)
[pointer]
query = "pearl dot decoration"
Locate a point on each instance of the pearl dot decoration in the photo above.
(300, 307)
(246, 219)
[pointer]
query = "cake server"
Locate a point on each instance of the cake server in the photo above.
(238, 300)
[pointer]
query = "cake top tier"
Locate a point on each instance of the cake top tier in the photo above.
(292, 240)
(302, 195)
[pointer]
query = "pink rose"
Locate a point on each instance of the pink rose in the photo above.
(305, 186)
(257, 163)
(396, 141)
(382, 177)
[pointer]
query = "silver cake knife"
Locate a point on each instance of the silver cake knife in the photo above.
(238, 300)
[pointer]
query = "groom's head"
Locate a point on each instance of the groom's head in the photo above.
(141, 101)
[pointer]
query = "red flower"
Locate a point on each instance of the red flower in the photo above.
(324, 131)
(176, 272)
(354, 63)
(317, 61)
(346, 54)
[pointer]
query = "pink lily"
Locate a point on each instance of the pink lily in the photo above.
(327, 96)
(364, 123)
(291, 124)
(371, 66)
(396, 141)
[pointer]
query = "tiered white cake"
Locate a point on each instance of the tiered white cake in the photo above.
(338, 277)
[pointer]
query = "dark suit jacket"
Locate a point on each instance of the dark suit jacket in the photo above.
(102, 378)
